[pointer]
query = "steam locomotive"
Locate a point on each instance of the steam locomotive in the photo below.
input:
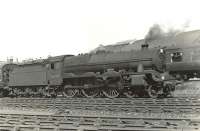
(145, 72)
(133, 73)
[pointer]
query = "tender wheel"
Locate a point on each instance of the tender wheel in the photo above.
(153, 92)
(90, 93)
(69, 93)
(17, 92)
(130, 94)
(28, 92)
(111, 93)
(41, 92)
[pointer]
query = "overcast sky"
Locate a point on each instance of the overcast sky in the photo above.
(38, 28)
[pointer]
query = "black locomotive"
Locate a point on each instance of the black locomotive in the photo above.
(132, 73)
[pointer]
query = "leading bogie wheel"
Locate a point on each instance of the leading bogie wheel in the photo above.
(152, 92)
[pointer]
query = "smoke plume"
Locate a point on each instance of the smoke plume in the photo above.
(156, 32)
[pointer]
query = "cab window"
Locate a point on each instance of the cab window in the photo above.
(55, 66)
(176, 57)
(52, 66)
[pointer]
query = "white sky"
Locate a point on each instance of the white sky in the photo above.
(38, 28)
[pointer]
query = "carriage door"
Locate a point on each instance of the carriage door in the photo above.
(54, 73)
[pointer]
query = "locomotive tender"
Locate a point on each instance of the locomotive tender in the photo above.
(132, 73)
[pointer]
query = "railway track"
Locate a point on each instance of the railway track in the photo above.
(96, 121)
(187, 105)
(83, 114)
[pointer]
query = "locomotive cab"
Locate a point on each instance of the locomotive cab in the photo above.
(54, 73)
(55, 69)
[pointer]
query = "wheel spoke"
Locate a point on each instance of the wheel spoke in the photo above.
(111, 93)
(90, 93)
(70, 92)
(153, 93)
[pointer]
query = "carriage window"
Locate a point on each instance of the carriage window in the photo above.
(176, 57)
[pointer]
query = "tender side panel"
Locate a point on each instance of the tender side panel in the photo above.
(30, 75)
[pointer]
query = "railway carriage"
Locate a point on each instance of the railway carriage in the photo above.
(183, 62)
